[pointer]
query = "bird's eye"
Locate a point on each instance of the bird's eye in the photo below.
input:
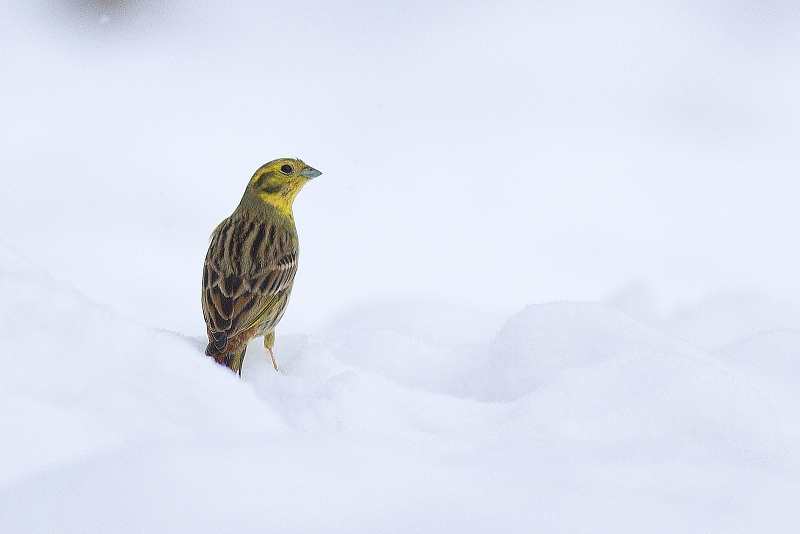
(286, 169)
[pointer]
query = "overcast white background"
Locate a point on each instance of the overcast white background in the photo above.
(488, 154)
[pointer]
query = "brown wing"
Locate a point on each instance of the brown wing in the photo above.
(248, 267)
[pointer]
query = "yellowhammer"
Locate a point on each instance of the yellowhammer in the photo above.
(251, 263)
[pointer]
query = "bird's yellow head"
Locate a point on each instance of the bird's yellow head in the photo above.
(278, 182)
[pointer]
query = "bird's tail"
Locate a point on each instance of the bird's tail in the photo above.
(216, 349)
(235, 361)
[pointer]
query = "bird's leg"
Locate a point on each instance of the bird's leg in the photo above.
(269, 342)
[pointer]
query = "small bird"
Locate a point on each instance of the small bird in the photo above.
(251, 262)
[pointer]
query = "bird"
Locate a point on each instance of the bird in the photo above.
(251, 263)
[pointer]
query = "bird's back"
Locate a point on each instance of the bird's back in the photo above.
(247, 278)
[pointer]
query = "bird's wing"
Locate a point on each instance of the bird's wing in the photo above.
(239, 292)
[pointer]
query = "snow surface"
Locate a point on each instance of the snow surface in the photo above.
(575, 417)
(548, 279)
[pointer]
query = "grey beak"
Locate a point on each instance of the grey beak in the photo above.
(310, 172)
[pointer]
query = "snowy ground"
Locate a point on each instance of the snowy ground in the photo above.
(548, 279)
(573, 418)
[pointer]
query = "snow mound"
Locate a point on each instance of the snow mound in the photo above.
(771, 361)
(574, 417)
(714, 322)
(78, 381)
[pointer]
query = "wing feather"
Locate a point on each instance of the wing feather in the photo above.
(247, 270)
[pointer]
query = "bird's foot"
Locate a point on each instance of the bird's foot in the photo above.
(275, 365)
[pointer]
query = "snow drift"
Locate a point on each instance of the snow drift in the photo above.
(574, 417)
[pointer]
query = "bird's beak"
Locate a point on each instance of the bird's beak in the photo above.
(310, 172)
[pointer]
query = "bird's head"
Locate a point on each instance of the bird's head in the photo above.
(277, 183)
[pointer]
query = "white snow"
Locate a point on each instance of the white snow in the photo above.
(547, 281)
(574, 417)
